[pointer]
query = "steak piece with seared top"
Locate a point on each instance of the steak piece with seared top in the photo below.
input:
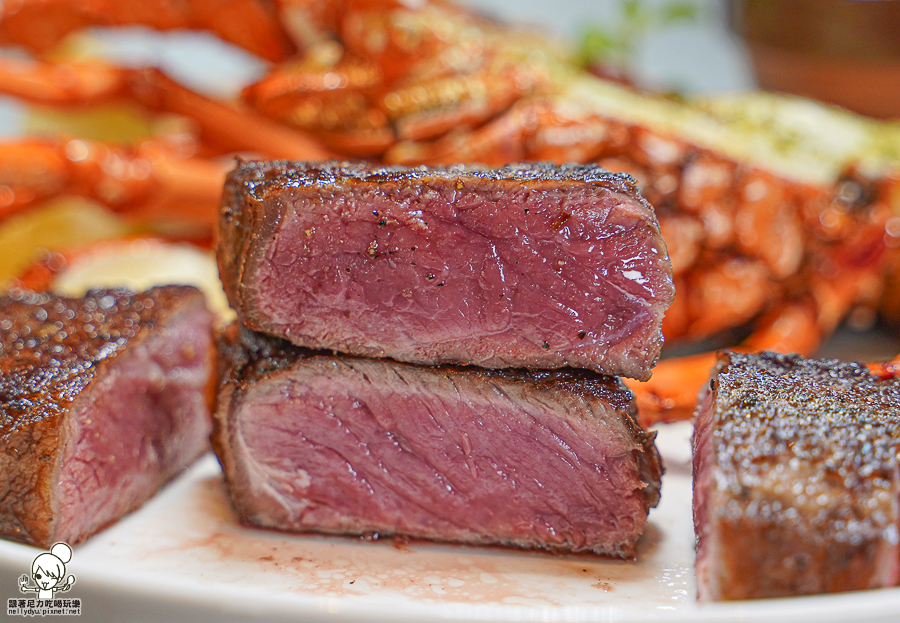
(527, 266)
(311, 442)
(102, 400)
(796, 482)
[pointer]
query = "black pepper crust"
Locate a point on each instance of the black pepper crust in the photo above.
(258, 178)
(50, 345)
(827, 411)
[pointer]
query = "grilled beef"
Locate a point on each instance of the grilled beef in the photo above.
(527, 266)
(312, 442)
(796, 482)
(102, 400)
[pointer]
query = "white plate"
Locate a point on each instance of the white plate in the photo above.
(184, 557)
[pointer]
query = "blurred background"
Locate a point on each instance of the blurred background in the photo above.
(692, 51)
(845, 52)
(664, 45)
(841, 51)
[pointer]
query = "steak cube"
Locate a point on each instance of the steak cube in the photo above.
(102, 401)
(796, 482)
(344, 445)
(527, 266)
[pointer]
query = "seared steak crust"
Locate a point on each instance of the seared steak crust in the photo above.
(796, 479)
(76, 403)
(525, 266)
(546, 459)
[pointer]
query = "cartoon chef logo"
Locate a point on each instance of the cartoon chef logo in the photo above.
(49, 573)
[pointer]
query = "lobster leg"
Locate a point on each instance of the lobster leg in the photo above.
(254, 25)
(147, 182)
(231, 128)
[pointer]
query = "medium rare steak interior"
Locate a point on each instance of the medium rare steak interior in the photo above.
(102, 401)
(527, 266)
(796, 482)
(312, 442)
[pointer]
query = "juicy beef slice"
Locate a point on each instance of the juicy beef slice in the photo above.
(346, 445)
(528, 266)
(102, 400)
(796, 482)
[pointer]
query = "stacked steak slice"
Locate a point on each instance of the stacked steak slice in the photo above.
(550, 459)
(461, 299)
(103, 399)
(796, 478)
(531, 266)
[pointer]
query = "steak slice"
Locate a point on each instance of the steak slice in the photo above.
(102, 400)
(796, 484)
(344, 445)
(528, 266)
